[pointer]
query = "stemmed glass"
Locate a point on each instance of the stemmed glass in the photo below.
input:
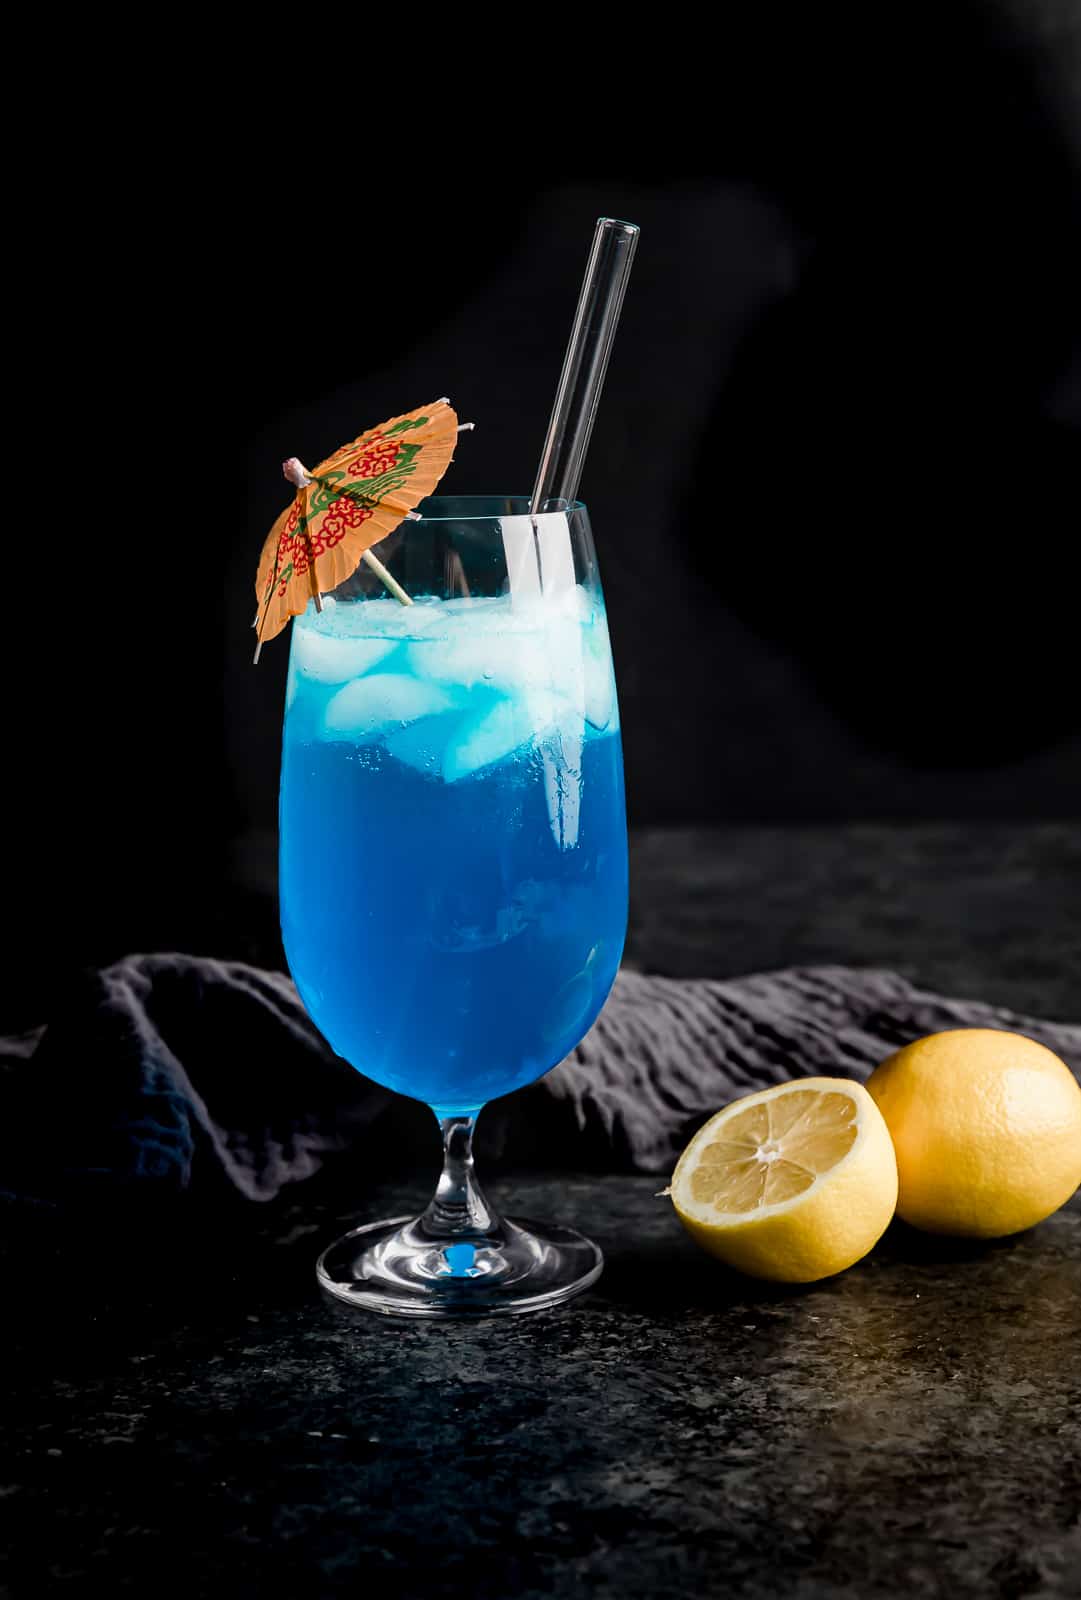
(454, 864)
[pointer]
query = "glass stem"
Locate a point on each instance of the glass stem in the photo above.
(458, 1207)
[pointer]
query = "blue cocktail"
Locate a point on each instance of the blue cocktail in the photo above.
(453, 862)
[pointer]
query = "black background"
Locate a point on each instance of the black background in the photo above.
(834, 481)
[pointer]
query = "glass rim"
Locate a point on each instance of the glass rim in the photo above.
(498, 506)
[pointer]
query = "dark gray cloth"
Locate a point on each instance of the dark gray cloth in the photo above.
(185, 1076)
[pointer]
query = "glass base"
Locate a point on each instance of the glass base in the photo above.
(401, 1269)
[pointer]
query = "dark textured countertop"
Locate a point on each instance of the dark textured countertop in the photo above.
(911, 1427)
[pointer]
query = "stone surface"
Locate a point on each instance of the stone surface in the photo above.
(911, 1427)
(982, 911)
(205, 1425)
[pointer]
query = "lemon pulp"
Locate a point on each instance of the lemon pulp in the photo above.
(772, 1152)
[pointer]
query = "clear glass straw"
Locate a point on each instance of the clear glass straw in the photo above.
(586, 362)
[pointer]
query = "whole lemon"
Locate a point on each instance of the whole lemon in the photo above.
(987, 1130)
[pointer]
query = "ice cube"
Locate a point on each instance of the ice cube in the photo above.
(561, 761)
(487, 738)
(476, 605)
(599, 687)
(331, 658)
(586, 606)
(508, 661)
(382, 618)
(464, 659)
(368, 705)
(423, 744)
(424, 616)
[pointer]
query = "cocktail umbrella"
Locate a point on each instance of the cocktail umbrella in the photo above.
(354, 498)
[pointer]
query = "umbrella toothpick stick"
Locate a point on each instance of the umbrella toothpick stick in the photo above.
(386, 578)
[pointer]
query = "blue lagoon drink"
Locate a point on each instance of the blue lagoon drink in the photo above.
(453, 867)
(453, 851)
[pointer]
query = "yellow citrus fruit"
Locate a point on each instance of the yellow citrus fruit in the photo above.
(987, 1129)
(793, 1183)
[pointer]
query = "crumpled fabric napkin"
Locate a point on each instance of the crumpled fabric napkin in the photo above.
(185, 1076)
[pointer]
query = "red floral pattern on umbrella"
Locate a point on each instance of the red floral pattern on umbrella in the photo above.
(379, 455)
(292, 550)
(297, 548)
(343, 515)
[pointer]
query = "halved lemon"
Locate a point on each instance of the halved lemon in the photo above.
(793, 1183)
